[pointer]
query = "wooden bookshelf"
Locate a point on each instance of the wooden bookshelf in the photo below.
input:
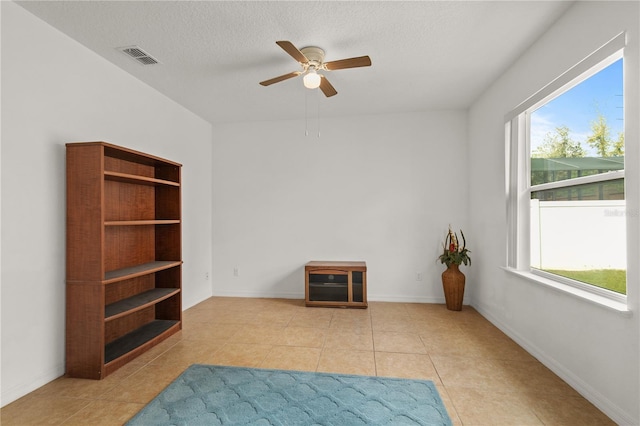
(124, 256)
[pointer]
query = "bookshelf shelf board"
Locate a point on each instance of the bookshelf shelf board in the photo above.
(135, 179)
(139, 270)
(138, 302)
(136, 338)
(141, 222)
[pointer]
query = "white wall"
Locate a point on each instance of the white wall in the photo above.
(594, 349)
(382, 189)
(55, 91)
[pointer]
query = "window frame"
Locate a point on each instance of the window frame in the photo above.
(518, 174)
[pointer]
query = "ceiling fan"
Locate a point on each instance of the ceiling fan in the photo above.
(312, 60)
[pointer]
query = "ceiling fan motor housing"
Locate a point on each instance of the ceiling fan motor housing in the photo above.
(315, 55)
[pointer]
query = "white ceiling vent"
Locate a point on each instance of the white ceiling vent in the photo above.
(139, 55)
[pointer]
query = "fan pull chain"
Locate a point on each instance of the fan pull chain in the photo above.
(318, 110)
(306, 112)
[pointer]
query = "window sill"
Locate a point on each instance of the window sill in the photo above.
(613, 305)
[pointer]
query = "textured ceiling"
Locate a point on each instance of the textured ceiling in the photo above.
(425, 54)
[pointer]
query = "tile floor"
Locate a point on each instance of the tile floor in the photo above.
(484, 378)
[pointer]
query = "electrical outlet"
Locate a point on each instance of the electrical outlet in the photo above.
(206, 275)
(235, 272)
(418, 276)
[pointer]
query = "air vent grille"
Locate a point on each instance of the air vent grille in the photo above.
(139, 55)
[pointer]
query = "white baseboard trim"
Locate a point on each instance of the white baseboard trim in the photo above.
(17, 392)
(259, 294)
(603, 403)
(396, 299)
(370, 297)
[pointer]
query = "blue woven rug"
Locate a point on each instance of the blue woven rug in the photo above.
(216, 395)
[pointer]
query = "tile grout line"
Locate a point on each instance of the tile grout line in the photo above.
(373, 345)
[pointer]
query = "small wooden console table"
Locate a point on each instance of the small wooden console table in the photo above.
(341, 284)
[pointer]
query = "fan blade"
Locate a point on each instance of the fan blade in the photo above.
(326, 87)
(280, 78)
(296, 54)
(360, 61)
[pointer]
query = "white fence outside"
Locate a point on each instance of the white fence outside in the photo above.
(578, 235)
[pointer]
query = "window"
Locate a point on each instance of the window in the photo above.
(566, 192)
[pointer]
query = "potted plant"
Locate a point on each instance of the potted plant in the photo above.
(453, 279)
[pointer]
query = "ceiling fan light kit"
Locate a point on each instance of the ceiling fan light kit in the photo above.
(311, 59)
(311, 79)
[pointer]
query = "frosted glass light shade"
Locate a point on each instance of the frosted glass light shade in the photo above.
(311, 80)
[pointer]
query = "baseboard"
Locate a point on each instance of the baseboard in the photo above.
(588, 392)
(258, 294)
(370, 297)
(396, 299)
(17, 392)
